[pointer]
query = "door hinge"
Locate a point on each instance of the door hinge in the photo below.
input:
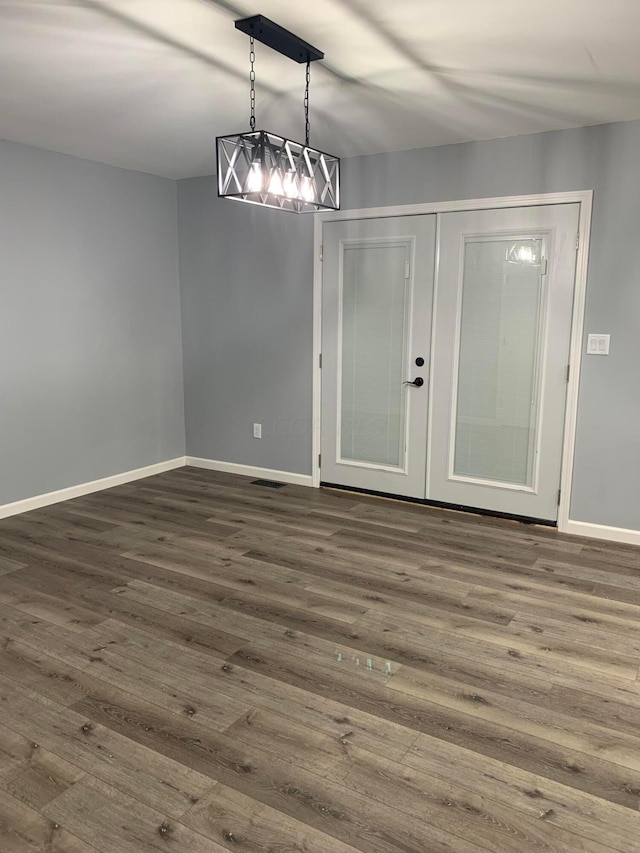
(568, 371)
(320, 253)
(320, 361)
(559, 494)
(319, 459)
(577, 241)
(543, 266)
(407, 269)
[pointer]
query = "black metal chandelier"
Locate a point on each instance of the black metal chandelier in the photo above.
(264, 168)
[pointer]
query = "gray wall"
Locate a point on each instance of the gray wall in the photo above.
(247, 311)
(247, 314)
(90, 340)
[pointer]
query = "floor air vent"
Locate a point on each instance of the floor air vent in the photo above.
(270, 484)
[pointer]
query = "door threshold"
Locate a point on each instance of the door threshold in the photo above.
(470, 510)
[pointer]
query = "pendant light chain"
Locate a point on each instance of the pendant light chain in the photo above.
(252, 82)
(306, 105)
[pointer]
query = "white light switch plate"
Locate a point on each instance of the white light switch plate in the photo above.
(598, 344)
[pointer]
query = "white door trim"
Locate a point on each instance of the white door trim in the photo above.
(582, 197)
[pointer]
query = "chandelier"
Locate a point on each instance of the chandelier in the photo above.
(264, 168)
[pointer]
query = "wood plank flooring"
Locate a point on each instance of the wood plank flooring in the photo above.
(195, 663)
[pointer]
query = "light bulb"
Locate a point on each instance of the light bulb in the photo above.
(254, 178)
(290, 189)
(275, 184)
(306, 191)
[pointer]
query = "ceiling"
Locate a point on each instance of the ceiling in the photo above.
(148, 84)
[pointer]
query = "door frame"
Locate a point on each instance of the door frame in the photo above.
(582, 197)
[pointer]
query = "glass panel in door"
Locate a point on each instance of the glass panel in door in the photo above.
(374, 343)
(498, 389)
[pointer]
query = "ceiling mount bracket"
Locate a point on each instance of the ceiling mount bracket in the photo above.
(279, 39)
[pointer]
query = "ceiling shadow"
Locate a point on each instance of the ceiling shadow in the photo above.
(103, 8)
(449, 78)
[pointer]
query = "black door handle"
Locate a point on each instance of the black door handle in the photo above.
(418, 382)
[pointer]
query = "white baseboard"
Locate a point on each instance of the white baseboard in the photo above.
(87, 488)
(250, 471)
(78, 491)
(602, 531)
(576, 528)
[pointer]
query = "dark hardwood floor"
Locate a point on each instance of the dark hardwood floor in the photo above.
(195, 663)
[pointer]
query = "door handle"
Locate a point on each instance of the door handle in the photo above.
(418, 382)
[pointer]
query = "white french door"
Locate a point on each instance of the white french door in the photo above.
(489, 340)
(501, 352)
(377, 295)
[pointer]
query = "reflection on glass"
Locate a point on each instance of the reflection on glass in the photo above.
(497, 400)
(524, 252)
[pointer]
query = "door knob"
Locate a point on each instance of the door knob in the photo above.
(418, 382)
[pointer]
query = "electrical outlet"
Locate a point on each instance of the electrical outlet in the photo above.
(257, 430)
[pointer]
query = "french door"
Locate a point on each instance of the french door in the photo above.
(376, 339)
(488, 335)
(502, 333)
